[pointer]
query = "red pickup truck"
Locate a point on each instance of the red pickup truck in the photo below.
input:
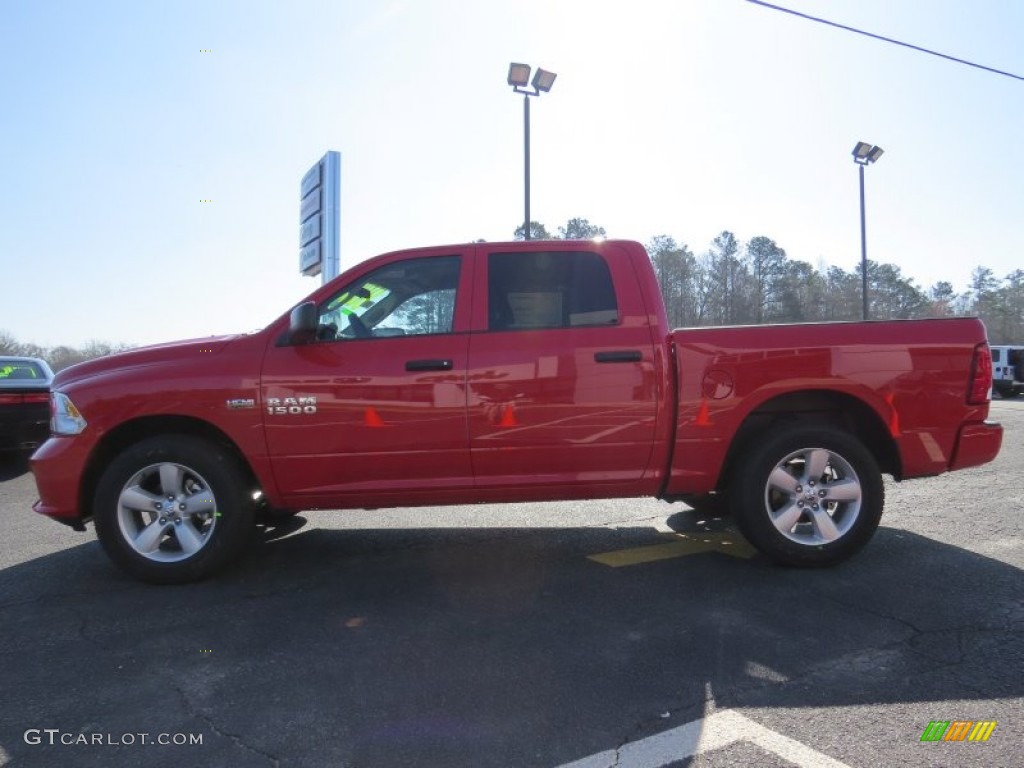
(508, 372)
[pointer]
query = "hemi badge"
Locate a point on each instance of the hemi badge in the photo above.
(241, 402)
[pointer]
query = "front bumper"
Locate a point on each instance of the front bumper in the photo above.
(59, 469)
(977, 444)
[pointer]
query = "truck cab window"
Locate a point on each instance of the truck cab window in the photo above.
(407, 298)
(549, 289)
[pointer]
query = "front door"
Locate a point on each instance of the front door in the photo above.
(376, 406)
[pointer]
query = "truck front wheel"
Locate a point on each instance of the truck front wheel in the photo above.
(808, 496)
(173, 509)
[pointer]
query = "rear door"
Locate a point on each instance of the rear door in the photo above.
(562, 385)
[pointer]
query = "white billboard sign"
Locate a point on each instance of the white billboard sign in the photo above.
(319, 218)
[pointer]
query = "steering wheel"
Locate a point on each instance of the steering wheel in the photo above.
(328, 332)
(359, 327)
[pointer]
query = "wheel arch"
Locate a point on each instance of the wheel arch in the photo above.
(816, 408)
(136, 430)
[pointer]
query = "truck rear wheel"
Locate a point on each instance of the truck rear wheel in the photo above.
(173, 509)
(808, 496)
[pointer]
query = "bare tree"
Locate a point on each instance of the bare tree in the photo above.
(676, 270)
(580, 229)
(767, 265)
(537, 232)
(61, 356)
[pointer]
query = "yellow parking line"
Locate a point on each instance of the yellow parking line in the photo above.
(684, 544)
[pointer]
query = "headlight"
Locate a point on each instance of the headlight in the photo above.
(65, 418)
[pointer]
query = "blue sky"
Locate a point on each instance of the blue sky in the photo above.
(681, 118)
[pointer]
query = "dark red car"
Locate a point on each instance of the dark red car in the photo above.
(24, 403)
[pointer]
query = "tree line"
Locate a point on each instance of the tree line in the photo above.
(752, 282)
(58, 357)
(735, 282)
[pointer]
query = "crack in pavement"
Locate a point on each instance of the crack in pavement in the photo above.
(190, 710)
(917, 634)
(236, 739)
(691, 712)
(738, 691)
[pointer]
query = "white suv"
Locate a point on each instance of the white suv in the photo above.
(1008, 370)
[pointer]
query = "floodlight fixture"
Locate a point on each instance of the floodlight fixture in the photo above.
(864, 153)
(543, 80)
(518, 77)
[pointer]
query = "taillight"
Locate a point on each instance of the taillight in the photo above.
(981, 375)
(19, 399)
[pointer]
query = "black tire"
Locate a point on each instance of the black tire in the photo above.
(205, 517)
(834, 511)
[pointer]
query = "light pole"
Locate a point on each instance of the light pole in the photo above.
(864, 154)
(518, 77)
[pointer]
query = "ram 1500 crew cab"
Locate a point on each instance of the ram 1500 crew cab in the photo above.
(508, 372)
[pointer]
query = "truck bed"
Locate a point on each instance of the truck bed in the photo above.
(867, 376)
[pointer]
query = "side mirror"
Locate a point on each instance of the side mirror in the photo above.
(302, 324)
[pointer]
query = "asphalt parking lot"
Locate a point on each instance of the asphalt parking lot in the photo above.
(490, 636)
